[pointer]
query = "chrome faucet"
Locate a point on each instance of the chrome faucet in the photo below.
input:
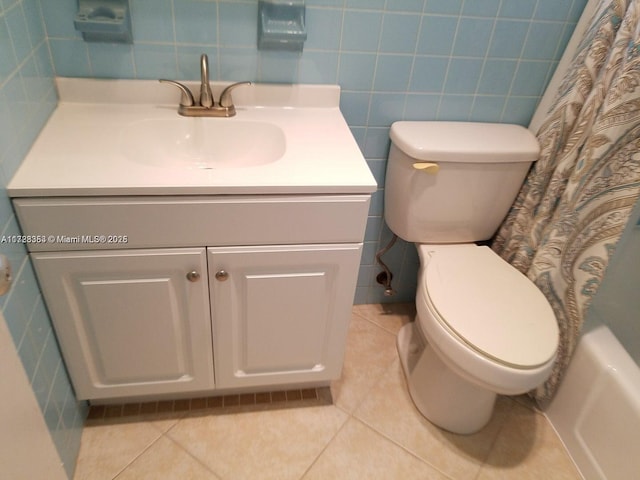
(206, 107)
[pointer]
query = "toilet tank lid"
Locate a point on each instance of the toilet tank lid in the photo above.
(467, 142)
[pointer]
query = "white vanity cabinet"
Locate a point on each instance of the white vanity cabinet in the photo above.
(218, 293)
(195, 256)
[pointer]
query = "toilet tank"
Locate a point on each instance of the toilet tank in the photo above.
(480, 169)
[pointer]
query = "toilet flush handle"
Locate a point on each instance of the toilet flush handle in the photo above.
(427, 167)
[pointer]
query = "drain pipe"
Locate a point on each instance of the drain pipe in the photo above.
(384, 278)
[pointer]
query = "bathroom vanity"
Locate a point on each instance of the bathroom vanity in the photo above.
(188, 256)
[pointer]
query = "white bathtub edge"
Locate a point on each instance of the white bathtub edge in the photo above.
(596, 412)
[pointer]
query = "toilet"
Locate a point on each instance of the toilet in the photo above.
(482, 328)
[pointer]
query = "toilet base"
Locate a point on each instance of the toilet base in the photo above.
(442, 396)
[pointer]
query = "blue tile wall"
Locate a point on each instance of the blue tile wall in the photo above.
(478, 60)
(27, 98)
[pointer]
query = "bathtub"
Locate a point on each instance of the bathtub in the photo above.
(596, 411)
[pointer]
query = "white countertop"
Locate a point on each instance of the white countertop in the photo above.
(79, 151)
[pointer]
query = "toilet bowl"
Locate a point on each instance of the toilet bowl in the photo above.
(482, 327)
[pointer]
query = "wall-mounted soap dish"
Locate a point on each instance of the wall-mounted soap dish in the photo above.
(104, 21)
(281, 25)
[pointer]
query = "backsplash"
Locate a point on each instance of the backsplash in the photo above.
(27, 98)
(478, 60)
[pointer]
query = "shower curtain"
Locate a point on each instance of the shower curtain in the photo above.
(575, 202)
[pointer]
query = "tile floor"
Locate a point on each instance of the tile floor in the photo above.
(371, 430)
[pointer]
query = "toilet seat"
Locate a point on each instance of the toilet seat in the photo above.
(490, 306)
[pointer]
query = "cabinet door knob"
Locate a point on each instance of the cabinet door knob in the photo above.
(221, 275)
(193, 276)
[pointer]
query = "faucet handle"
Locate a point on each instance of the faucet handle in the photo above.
(187, 99)
(225, 96)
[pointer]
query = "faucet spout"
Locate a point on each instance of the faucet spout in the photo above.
(206, 96)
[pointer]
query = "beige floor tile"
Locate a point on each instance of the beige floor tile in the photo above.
(528, 449)
(370, 351)
(390, 410)
(358, 452)
(390, 316)
(165, 459)
(267, 444)
(106, 449)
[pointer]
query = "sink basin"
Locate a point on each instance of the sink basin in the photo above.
(202, 143)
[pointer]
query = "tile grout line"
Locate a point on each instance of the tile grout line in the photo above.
(351, 414)
(160, 434)
(331, 440)
(376, 431)
(382, 434)
(402, 447)
(394, 334)
(176, 443)
(385, 436)
(495, 438)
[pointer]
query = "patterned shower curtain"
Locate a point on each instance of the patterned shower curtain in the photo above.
(564, 226)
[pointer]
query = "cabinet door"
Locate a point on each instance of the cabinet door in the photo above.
(281, 313)
(133, 322)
